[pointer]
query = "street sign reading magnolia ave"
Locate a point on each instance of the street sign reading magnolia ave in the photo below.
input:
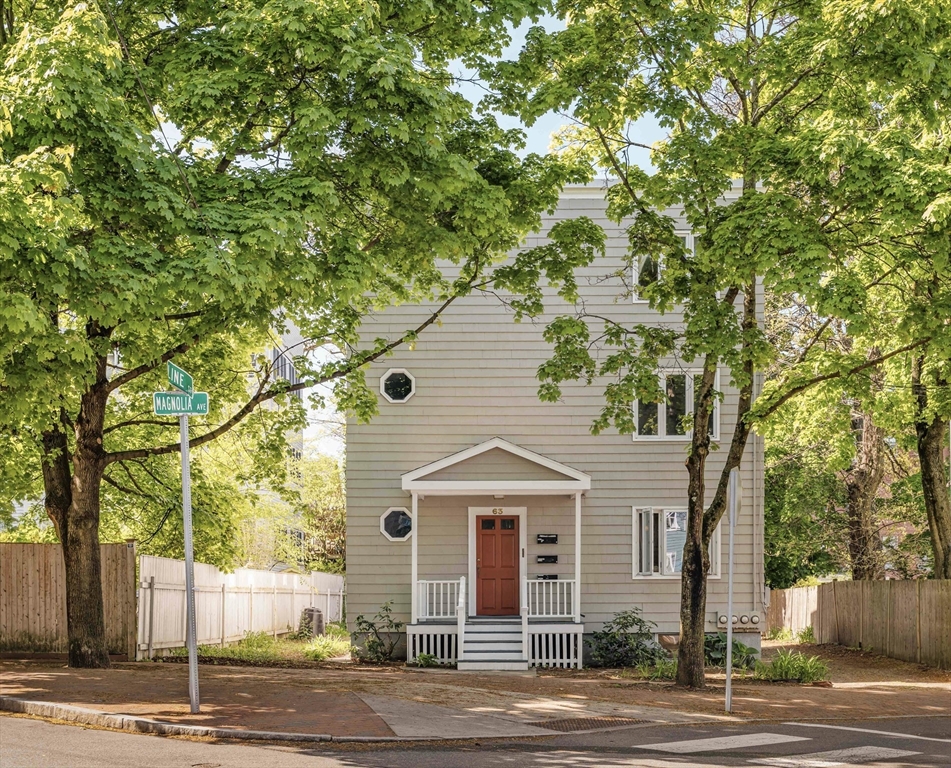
(180, 379)
(180, 404)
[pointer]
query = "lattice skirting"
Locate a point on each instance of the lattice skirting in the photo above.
(441, 642)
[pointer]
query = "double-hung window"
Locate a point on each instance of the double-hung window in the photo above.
(659, 537)
(647, 267)
(670, 418)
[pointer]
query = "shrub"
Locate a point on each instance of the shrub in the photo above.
(807, 636)
(662, 669)
(327, 647)
(780, 633)
(380, 635)
(427, 660)
(792, 665)
(625, 641)
(714, 652)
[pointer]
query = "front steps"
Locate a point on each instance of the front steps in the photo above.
(493, 644)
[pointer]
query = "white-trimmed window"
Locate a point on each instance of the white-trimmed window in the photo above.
(668, 419)
(397, 385)
(647, 268)
(397, 523)
(658, 543)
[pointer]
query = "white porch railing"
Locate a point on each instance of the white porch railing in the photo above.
(461, 618)
(439, 599)
(553, 599)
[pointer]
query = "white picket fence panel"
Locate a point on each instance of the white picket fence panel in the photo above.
(227, 605)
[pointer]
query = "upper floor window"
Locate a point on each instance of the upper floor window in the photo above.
(659, 539)
(647, 268)
(671, 419)
(397, 385)
(283, 367)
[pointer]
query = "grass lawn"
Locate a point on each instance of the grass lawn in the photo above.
(262, 649)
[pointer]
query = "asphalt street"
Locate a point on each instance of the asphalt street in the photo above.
(878, 743)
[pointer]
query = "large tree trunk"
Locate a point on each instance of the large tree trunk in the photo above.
(72, 483)
(702, 521)
(85, 616)
(862, 482)
(932, 436)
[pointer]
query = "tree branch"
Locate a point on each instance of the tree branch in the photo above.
(760, 415)
(263, 394)
(128, 376)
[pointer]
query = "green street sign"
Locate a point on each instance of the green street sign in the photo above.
(180, 404)
(179, 379)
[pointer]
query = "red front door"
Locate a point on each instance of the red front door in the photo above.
(497, 565)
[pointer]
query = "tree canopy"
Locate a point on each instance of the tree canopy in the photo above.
(831, 116)
(180, 181)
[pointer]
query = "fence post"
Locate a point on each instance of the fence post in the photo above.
(151, 612)
(888, 616)
(918, 620)
(327, 614)
(274, 611)
(224, 597)
(294, 602)
(863, 594)
(250, 608)
(835, 607)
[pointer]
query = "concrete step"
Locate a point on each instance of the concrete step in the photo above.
(468, 665)
(481, 636)
(490, 647)
(494, 655)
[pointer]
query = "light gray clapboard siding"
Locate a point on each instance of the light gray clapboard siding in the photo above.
(476, 379)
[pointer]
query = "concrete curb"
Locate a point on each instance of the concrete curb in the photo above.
(82, 716)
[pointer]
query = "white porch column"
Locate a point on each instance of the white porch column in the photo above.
(414, 595)
(577, 595)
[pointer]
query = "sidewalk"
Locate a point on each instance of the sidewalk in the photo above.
(397, 703)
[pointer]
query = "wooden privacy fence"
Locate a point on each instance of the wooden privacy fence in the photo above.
(908, 620)
(792, 609)
(33, 598)
(227, 605)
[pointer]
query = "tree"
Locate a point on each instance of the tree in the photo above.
(322, 163)
(932, 411)
(832, 176)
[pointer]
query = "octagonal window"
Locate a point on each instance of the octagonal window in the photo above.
(397, 385)
(396, 524)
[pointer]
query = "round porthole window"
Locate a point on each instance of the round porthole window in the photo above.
(397, 385)
(396, 524)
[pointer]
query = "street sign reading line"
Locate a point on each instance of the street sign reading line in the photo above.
(180, 379)
(180, 404)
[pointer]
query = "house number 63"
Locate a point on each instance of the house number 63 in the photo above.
(498, 511)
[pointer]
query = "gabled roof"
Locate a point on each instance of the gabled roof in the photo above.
(437, 479)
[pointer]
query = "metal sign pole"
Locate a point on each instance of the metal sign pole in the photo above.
(189, 568)
(734, 476)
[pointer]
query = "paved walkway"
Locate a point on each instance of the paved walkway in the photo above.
(399, 703)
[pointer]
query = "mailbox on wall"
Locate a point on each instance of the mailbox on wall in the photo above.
(546, 559)
(546, 538)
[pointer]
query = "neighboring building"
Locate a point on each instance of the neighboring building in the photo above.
(478, 509)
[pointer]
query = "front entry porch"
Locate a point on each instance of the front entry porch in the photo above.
(489, 612)
(544, 634)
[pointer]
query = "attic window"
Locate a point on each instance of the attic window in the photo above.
(396, 524)
(397, 385)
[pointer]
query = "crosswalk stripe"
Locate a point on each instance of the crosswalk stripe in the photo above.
(836, 757)
(866, 730)
(722, 742)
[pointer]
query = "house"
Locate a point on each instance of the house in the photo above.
(500, 528)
